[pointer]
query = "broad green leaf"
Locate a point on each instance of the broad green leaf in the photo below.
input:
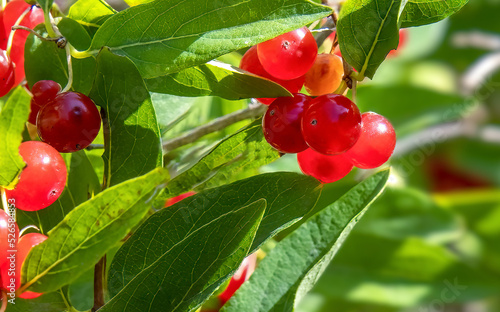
(88, 231)
(404, 274)
(91, 13)
(82, 184)
(132, 137)
(45, 61)
(136, 2)
(217, 79)
(289, 196)
(188, 258)
(367, 30)
(74, 33)
(13, 116)
(422, 12)
(411, 108)
(46, 303)
(292, 268)
(243, 150)
(190, 32)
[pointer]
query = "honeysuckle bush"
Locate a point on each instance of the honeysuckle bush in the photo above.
(160, 68)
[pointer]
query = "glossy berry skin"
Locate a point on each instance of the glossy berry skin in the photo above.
(282, 123)
(9, 233)
(243, 273)
(43, 163)
(7, 73)
(11, 13)
(375, 144)
(69, 123)
(290, 55)
(178, 198)
(331, 124)
(250, 62)
(325, 75)
(325, 168)
(43, 92)
(13, 270)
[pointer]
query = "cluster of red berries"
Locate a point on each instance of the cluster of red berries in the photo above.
(68, 121)
(328, 132)
(13, 252)
(12, 62)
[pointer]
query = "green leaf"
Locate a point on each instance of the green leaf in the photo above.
(217, 79)
(87, 232)
(13, 116)
(45, 61)
(289, 196)
(91, 13)
(192, 255)
(367, 30)
(190, 33)
(132, 135)
(241, 151)
(46, 5)
(136, 2)
(291, 269)
(423, 12)
(170, 108)
(411, 108)
(82, 183)
(74, 33)
(46, 303)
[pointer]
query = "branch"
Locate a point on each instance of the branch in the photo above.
(213, 126)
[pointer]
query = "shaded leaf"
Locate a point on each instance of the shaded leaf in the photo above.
(289, 196)
(367, 31)
(74, 33)
(190, 32)
(13, 116)
(88, 231)
(217, 79)
(46, 303)
(423, 12)
(189, 256)
(169, 108)
(291, 269)
(132, 137)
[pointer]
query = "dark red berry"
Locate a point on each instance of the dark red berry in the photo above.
(331, 124)
(290, 55)
(250, 62)
(69, 123)
(7, 74)
(325, 168)
(282, 123)
(42, 180)
(43, 92)
(375, 144)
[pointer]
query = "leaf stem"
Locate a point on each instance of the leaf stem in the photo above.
(34, 33)
(213, 126)
(48, 24)
(12, 31)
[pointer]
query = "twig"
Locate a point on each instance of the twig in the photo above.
(99, 284)
(213, 126)
(94, 146)
(17, 27)
(476, 39)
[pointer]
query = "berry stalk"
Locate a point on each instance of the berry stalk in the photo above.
(11, 35)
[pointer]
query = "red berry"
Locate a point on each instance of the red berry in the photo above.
(69, 123)
(12, 12)
(375, 144)
(43, 92)
(178, 198)
(7, 74)
(43, 163)
(290, 55)
(9, 232)
(331, 124)
(243, 273)
(325, 168)
(282, 123)
(24, 246)
(250, 62)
